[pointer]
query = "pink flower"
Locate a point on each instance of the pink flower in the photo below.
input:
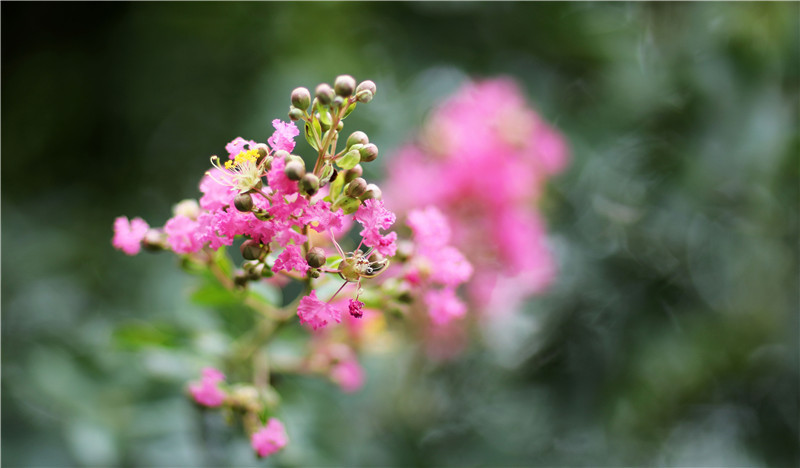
(444, 306)
(355, 306)
(349, 375)
(181, 234)
(269, 439)
(316, 313)
(128, 235)
(283, 138)
(291, 259)
(429, 226)
(238, 145)
(373, 216)
(278, 181)
(207, 392)
(216, 195)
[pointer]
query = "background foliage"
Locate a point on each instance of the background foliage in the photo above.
(670, 337)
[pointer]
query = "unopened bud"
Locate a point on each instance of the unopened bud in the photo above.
(324, 94)
(240, 279)
(188, 208)
(301, 98)
(372, 192)
(364, 97)
(316, 257)
(338, 102)
(351, 174)
(344, 85)
(251, 250)
(314, 273)
(369, 153)
(339, 126)
(154, 240)
(356, 188)
(357, 137)
(294, 170)
(309, 184)
(280, 154)
(367, 85)
(295, 114)
(243, 202)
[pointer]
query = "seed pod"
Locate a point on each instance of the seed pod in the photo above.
(316, 257)
(344, 85)
(301, 98)
(356, 187)
(243, 202)
(294, 170)
(309, 184)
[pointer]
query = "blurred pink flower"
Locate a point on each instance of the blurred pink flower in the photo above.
(348, 374)
(316, 313)
(128, 235)
(269, 439)
(207, 392)
(374, 216)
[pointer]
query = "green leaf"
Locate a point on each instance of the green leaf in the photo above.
(349, 160)
(214, 294)
(324, 116)
(350, 109)
(310, 135)
(336, 187)
(265, 292)
(140, 335)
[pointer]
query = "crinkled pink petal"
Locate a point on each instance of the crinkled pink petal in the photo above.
(283, 137)
(216, 195)
(128, 235)
(238, 145)
(181, 234)
(207, 392)
(269, 439)
(291, 259)
(316, 313)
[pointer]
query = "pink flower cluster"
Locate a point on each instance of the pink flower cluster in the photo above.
(207, 392)
(436, 268)
(482, 160)
(269, 438)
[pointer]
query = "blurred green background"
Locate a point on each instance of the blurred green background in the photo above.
(670, 337)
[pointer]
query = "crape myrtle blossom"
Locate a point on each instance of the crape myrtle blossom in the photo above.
(269, 439)
(482, 160)
(207, 392)
(128, 235)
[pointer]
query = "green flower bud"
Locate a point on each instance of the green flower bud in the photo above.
(309, 184)
(263, 150)
(357, 137)
(367, 85)
(339, 126)
(301, 98)
(294, 170)
(280, 154)
(356, 187)
(243, 202)
(251, 250)
(295, 114)
(314, 273)
(369, 153)
(338, 102)
(351, 174)
(344, 85)
(316, 257)
(364, 97)
(372, 192)
(324, 94)
(349, 160)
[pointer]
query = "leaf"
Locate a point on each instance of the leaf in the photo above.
(310, 137)
(265, 292)
(140, 335)
(214, 294)
(349, 160)
(336, 187)
(350, 109)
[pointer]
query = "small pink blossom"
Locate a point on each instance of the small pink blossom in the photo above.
(373, 216)
(269, 439)
(283, 138)
(349, 375)
(355, 306)
(207, 392)
(238, 145)
(291, 259)
(444, 306)
(128, 235)
(216, 195)
(316, 313)
(181, 234)
(278, 181)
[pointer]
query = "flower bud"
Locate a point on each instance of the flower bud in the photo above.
(357, 137)
(313, 273)
(301, 98)
(338, 102)
(188, 208)
(369, 153)
(344, 85)
(154, 240)
(280, 154)
(309, 184)
(243, 202)
(364, 97)
(240, 279)
(351, 174)
(251, 249)
(356, 188)
(367, 85)
(295, 114)
(263, 150)
(372, 192)
(339, 126)
(324, 94)
(294, 170)
(316, 257)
